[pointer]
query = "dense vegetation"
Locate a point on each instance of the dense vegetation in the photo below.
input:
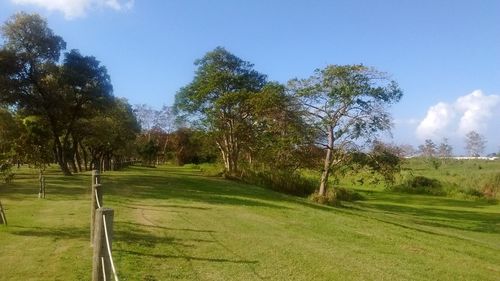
(64, 112)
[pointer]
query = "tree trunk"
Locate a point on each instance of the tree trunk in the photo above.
(327, 164)
(85, 158)
(73, 164)
(78, 159)
(61, 160)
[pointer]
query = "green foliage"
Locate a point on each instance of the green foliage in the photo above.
(334, 196)
(6, 174)
(148, 152)
(68, 112)
(330, 198)
(282, 181)
(345, 104)
(491, 186)
(435, 162)
(458, 178)
(419, 185)
(190, 146)
(220, 97)
(383, 159)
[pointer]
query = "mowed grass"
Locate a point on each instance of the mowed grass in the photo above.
(172, 223)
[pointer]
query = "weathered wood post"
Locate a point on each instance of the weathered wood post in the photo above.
(3, 218)
(101, 254)
(95, 201)
(41, 191)
(43, 187)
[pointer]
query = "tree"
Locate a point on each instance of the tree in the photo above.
(406, 150)
(428, 149)
(219, 97)
(37, 85)
(474, 143)
(157, 125)
(9, 132)
(445, 150)
(345, 104)
(280, 139)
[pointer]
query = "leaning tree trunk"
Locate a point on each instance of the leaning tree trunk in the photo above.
(60, 158)
(327, 164)
(78, 158)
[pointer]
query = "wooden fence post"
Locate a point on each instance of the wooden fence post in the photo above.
(101, 254)
(96, 188)
(41, 192)
(3, 218)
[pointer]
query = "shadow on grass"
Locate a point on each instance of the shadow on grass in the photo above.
(55, 185)
(455, 219)
(197, 189)
(54, 233)
(419, 199)
(187, 258)
(139, 225)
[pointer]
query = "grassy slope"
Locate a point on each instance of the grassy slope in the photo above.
(172, 223)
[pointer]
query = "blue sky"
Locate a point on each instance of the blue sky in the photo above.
(444, 54)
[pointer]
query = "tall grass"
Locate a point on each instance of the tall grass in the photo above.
(468, 179)
(289, 182)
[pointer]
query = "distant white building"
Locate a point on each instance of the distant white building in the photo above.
(474, 158)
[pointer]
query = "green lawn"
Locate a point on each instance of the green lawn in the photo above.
(172, 223)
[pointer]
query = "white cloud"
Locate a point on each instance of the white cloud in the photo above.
(77, 8)
(470, 112)
(476, 108)
(437, 119)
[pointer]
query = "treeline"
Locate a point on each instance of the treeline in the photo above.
(261, 131)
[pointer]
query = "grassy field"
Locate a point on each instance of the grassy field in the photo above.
(173, 223)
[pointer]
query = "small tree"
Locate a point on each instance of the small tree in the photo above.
(474, 143)
(445, 150)
(345, 103)
(428, 149)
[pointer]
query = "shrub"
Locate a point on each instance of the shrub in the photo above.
(419, 185)
(288, 182)
(329, 199)
(6, 174)
(334, 196)
(211, 170)
(344, 194)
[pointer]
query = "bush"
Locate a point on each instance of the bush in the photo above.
(419, 185)
(334, 196)
(344, 194)
(329, 199)
(288, 182)
(6, 174)
(211, 170)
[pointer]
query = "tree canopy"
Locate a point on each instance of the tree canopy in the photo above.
(345, 103)
(62, 96)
